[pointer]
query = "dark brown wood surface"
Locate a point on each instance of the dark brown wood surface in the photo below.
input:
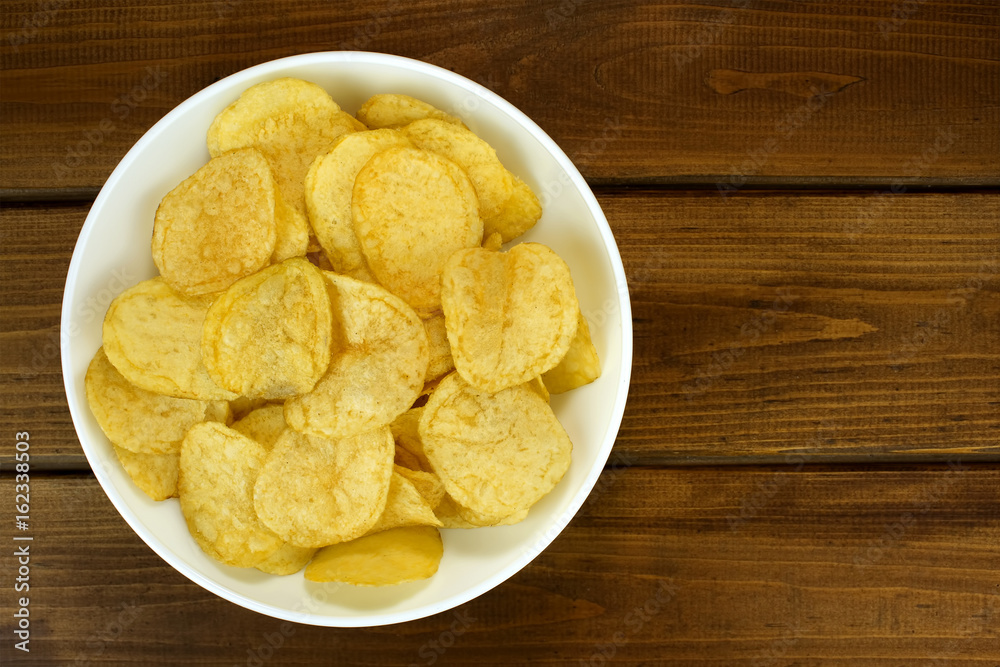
(806, 197)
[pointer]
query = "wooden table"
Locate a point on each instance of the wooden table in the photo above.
(805, 195)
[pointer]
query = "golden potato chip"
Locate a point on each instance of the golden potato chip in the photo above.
(404, 506)
(155, 474)
(269, 335)
(406, 432)
(496, 454)
(152, 335)
(318, 491)
(453, 515)
(411, 210)
(241, 406)
(492, 241)
(427, 484)
(291, 122)
(405, 459)
(510, 315)
(289, 559)
(376, 372)
(492, 182)
(218, 225)
(328, 190)
(265, 425)
(139, 420)
(292, 230)
(517, 215)
(395, 110)
(218, 468)
(387, 558)
(580, 366)
(441, 362)
(536, 385)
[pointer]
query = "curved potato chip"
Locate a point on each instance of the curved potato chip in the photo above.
(139, 420)
(536, 385)
(378, 370)
(317, 491)
(218, 225)
(395, 110)
(517, 215)
(510, 315)
(289, 559)
(155, 474)
(328, 189)
(411, 210)
(387, 558)
(152, 335)
(496, 454)
(264, 425)
(404, 506)
(241, 406)
(292, 230)
(440, 351)
(218, 468)
(493, 240)
(453, 515)
(579, 366)
(269, 335)
(406, 432)
(491, 180)
(427, 484)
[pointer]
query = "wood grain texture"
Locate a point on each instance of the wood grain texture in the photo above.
(717, 92)
(817, 326)
(888, 567)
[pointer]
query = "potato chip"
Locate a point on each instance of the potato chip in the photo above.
(139, 420)
(387, 558)
(152, 335)
(292, 230)
(218, 468)
(319, 491)
(155, 474)
(453, 515)
(289, 559)
(404, 506)
(441, 362)
(510, 315)
(411, 210)
(269, 335)
(291, 122)
(328, 190)
(517, 215)
(241, 406)
(406, 432)
(394, 110)
(579, 366)
(536, 385)
(427, 484)
(405, 459)
(492, 241)
(492, 182)
(377, 371)
(218, 225)
(265, 425)
(496, 454)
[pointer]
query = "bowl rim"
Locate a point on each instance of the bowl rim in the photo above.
(624, 306)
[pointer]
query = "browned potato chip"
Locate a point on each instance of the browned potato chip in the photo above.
(139, 420)
(492, 182)
(218, 468)
(405, 506)
(376, 372)
(426, 483)
(317, 491)
(218, 225)
(155, 474)
(580, 366)
(291, 122)
(328, 190)
(405, 459)
(395, 110)
(517, 215)
(411, 210)
(387, 558)
(441, 362)
(510, 315)
(152, 335)
(289, 559)
(269, 335)
(241, 406)
(265, 425)
(496, 454)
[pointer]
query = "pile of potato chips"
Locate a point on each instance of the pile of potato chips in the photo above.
(338, 358)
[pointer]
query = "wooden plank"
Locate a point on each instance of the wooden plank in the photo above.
(885, 567)
(827, 327)
(718, 92)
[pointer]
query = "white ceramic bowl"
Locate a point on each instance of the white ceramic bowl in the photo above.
(113, 253)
